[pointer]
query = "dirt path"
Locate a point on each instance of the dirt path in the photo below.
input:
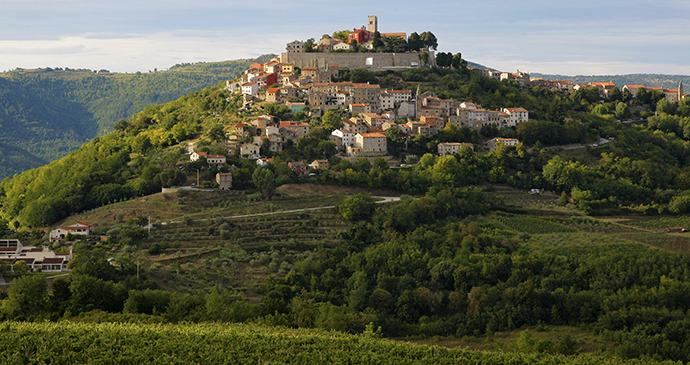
(385, 199)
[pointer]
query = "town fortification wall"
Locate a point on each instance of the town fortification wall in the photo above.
(372, 61)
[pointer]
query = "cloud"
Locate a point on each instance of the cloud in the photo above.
(135, 52)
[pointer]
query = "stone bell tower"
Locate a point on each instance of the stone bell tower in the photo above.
(680, 91)
(372, 23)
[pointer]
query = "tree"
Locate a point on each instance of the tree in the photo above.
(216, 133)
(327, 148)
(342, 35)
(381, 300)
(357, 298)
(626, 96)
(356, 207)
(424, 57)
(380, 163)
(664, 106)
(331, 120)
(622, 110)
(442, 275)
(556, 111)
(353, 44)
(147, 301)
(444, 59)
(263, 179)
(429, 40)
(458, 62)
(642, 96)
(394, 44)
(309, 45)
(414, 42)
(376, 42)
(615, 94)
(27, 298)
(21, 268)
(92, 262)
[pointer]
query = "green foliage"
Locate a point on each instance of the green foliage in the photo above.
(160, 344)
(27, 298)
(358, 207)
(263, 179)
(50, 113)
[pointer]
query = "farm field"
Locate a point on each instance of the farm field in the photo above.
(85, 343)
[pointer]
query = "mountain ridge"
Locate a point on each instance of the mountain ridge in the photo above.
(50, 112)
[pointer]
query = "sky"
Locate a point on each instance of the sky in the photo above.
(576, 37)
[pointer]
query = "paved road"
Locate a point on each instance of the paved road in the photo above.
(385, 199)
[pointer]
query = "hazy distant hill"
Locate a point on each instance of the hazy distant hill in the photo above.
(654, 80)
(46, 113)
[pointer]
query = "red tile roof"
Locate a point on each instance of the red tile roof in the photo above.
(372, 135)
(56, 260)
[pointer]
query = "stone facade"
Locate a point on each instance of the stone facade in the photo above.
(371, 61)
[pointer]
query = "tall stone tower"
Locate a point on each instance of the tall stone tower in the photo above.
(372, 23)
(680, 91)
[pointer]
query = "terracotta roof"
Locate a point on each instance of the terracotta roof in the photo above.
(372, 135)
(55, 260)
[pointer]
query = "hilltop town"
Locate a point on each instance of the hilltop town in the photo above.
(305, 79)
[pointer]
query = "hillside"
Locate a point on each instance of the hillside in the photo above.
(465, 256)
(47, 113)
(652, 80)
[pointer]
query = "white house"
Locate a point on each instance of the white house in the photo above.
(452, 148)
(392, 98)
(516, 116)
(494, 143)
(348, 137)
(43, 259)
(368, 144)
(250, 88)
(81, 229)
(211, 159)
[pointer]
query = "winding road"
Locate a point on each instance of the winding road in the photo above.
(385, 199)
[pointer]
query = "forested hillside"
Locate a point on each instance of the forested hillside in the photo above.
(47, 113)
(453, 257)
(652, 80)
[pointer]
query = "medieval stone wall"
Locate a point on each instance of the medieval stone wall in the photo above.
(372, 61)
